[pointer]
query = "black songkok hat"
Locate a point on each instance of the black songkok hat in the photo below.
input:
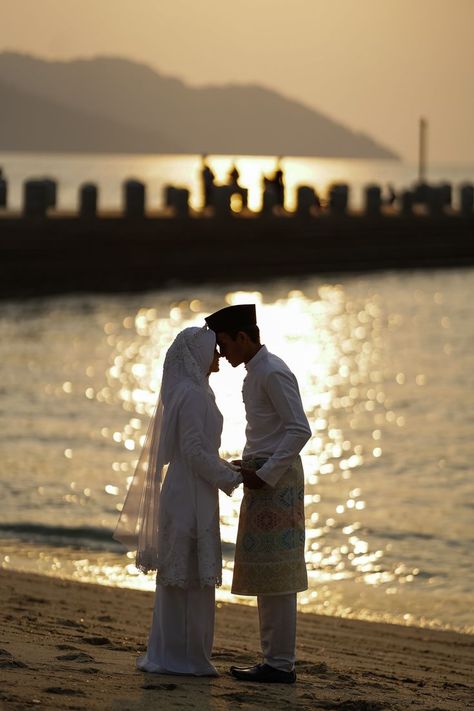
(233, 318)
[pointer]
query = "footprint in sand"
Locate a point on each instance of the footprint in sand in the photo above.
(64, 691)
(67, 647)
(311, 668)
(96, 641)
(8, 661)
(4, 696)
(70, 623)
(76, 657)
(350, 705)
(127, 648)
(247, 697)
(31, 598)
(159, 687)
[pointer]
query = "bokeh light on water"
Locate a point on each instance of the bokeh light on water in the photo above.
(380, 478)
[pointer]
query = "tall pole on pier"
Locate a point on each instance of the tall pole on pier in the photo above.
(422, 145)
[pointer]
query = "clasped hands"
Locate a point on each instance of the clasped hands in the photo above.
(249, 475)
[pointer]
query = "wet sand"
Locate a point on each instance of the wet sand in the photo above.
(66, 645)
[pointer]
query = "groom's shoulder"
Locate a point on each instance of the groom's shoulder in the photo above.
(276, 364)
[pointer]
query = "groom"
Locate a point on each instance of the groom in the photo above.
(269, 555)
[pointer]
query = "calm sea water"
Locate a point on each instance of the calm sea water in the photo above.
(386, 368)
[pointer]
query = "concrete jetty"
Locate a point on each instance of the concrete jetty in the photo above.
(45, 252)
(110, 254)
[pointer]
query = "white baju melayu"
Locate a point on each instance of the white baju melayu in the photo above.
(277, 427)
(277, 430)
(171, 516)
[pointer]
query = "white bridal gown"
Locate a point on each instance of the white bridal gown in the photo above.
(189, 546)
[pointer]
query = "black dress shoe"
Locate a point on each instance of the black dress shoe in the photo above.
(263, 673)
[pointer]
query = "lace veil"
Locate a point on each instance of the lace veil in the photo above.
(187, 362)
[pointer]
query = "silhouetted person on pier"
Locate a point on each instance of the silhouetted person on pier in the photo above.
(317, 202)
(237, 189)
(234, 176)
(207, 177)
(279, 187)
(276, 181)
(391, 197)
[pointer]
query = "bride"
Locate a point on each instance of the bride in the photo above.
(171, 512)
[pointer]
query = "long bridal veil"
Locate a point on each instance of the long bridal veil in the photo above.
(187, 361)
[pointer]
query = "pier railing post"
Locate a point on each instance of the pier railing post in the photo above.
(447, 194)
(181, 202)
(3, 190)
(421, 193)
(134, 198)
(407, 203)
(373, 200)
(435, 201)
(178, 200)
(88, 200)
(35, 198)
(169, 195)
(305, 200)
(466, 199)
(339, 199)
(51, 187)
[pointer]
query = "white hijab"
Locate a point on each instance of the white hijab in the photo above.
(187, 361)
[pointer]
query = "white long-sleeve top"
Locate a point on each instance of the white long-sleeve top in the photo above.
(189, 546)
(277, 427)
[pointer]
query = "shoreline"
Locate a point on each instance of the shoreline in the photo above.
(73, 645)
(342, 599)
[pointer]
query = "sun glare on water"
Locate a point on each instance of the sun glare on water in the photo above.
(333, 347)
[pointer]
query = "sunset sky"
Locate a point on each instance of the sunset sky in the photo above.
(373, 65)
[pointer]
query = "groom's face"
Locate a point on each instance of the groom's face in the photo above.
(233, 350)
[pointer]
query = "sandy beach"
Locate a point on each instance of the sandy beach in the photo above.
(67, 645)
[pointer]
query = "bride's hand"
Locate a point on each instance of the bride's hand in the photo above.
(251, 479)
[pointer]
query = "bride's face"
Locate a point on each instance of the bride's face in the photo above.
(214, 367)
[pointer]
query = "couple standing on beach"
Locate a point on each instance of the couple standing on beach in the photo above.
(171, 513)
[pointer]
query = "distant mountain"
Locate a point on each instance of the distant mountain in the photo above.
(165, 112)
(33, 123)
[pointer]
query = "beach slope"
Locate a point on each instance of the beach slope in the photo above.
(67, 645)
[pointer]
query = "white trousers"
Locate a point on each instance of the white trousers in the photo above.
(182, 632)
(277, 618)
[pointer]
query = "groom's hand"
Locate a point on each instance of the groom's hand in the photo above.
(237, 463)
(251, 479)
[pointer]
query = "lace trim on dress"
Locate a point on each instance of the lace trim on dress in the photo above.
(186, 563)
(146, 560)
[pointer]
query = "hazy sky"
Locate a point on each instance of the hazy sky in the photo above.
(374, 65)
